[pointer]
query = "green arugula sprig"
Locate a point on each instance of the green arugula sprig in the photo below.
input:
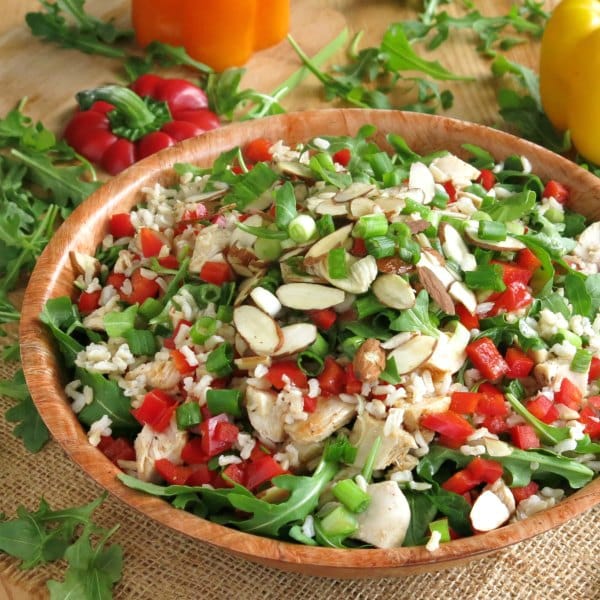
(45, 535)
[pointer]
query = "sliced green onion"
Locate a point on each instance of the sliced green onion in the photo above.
(224, 401)
(263, 232)
(219, 361)
(319, 346)
(350, 345)
(555, 215)
(410, 207)
(380, 246)
(339, 522)
(493, 231)
(351, 496)
(441, 526)
(116, 323)
(381, 164)
(486, 277)
(367, 305)
(203, 329)
(227, 293)
(141, 342)
(564, 335)
(325, 225)
(440, 199)
(205, 293)
(297, 534)
(188, 415)
(367, 470)
(302, 228)
(477, 189)
(225, 313)
(410, 252)
(581, 361)
(150, 308)
(310, 363)
(268, 250)
(336, 263)
(369, 226)
(339, 449)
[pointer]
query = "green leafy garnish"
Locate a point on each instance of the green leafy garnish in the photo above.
(417, 318)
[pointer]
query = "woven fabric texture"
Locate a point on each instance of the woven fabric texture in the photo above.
(160, 563)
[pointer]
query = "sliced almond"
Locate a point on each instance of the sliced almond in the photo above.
(309, 296)
(412, 354)
(455, 248)
(247, 286)
(450, 167)
(420, 177)
(333, 240)
(450, 352)
(394, 264)
(259, 330)
(418, 225)
(497, 448)
(242, 238)
(361, 206)
(369, 361)
(354, 190)
(362, 273)
(296, 338)
(249, 363)
(266, 301)
(243, 261)
(488, 512)
(509, 244)
(436, 289)
(295, 168)
(390, 205)
(461, 293)
(434, 262)
(329, 207)
(394, 291)
(398, 340)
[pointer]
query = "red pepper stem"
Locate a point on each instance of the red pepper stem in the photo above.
(128, 103)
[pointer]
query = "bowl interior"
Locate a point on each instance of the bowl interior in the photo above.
(83, 231)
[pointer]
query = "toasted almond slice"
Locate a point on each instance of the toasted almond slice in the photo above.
(455, 248)
(266, 301)
(361, 206)
(290, 275)
(436, 289)
(434, 262)
(418, 225)
(260, 331)
(333, 240)
(362, 273)
(414, 353)
(398, 340)
(329, 207)
(497, 448)
(309, 296)
(420, 177)
(394, 264)
(390, 205)
(509, 244)
(295, 168)
(296, 337)
(242, 238)
(246, 287)
(394, 291)
(461, 293)
(450, 167)
(209, 196)
(354, 190)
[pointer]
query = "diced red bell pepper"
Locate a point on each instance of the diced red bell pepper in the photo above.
(156, 410)
(88, 301)
(116, 449)
(524, 437)
(519, 364)
(310, 404)
(512, 273)
(594, 372)
(169, 262)
(464, 403)
(461, 482)
(568, 394)
(172, 473)
(170, 341)
(542, 408)
(342, 157)
(218, 435)
(286, 369)
(181, 363)
(590, 417)
(524, 492)
(261, 470)
(487, 179)
(142, 289)
(192, 452)
(484, 469)
(359, 248)
(448, 424)
(353, 384)
(151, 242)
(216, 272)
(469, 320)
(236, 472)
(495, 424)
(120, 225)
(556, 190)
(487, 359)
(450, 190)
(258, 150)
(492, 404)
(200, 475)
(324, 318)
(332, 379)
(116, 280)
(515, 296)
(526, 259)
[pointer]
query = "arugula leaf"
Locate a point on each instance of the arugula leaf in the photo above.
(86, 33)
(501, 66)
(486, 277)
(285, 205)
(54, 318)
(249, 186)
(512, 208)
(31, 428)
(504, 333)
(417, 318)
(482, 159)
(578, 295)
(592, 285)
(422, 512)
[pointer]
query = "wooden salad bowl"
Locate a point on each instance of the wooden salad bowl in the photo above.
(83, 231)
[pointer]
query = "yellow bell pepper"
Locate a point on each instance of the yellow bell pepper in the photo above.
(570, 73)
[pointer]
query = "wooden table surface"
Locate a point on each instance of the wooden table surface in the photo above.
(50, 76)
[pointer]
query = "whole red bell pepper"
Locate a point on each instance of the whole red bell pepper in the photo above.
(117, 126)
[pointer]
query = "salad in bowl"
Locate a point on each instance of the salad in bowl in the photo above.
(337, 344)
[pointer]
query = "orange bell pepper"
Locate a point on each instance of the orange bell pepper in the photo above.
(219, 34)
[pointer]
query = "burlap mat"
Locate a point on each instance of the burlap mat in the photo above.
(161, 564)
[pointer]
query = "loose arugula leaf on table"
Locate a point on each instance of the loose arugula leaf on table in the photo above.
(30, 427)
(66, 23)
